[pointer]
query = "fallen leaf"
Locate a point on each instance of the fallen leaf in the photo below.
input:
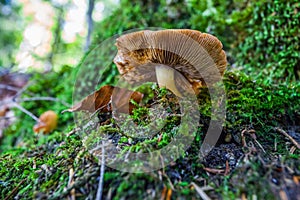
(48, 122)
(94, 101)
(121, 99)
(107, 99)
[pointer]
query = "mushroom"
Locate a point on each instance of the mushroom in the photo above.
(178, 59)
(47, 122)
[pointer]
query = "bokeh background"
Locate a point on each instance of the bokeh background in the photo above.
(260, 37)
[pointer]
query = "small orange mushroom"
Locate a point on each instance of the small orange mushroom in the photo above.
(47, 122)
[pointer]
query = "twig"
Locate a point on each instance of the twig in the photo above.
(293, 149)
(45, 99)
(74, 130)
(251, 132)
(260, 146)
(100, 185)
(98, 110)
(200, 191)
(14, 190)
(26, 112)
(8, 87)
(21, 90)
(71, 182)
(288, 136)
(227, 169)
(214, 171)
(170, 182)
(244, 143)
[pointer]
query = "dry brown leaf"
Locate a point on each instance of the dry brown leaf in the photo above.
(121, 97)
(101, 100)
(48, 122)
(94, 101)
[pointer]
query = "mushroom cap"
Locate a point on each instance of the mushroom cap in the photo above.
(197, 56)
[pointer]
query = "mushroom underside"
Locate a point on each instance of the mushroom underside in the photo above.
(177, 59)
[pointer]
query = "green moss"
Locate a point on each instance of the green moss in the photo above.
(270, 50)
(249, 105)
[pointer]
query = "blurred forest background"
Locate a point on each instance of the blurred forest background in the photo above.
(260, 37)
(44, 41)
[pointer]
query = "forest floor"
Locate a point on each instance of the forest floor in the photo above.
(256, 157)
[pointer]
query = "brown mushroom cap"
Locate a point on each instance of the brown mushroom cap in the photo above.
(197, 56)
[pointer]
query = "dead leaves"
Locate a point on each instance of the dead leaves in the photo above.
(100, 99)
(47, 122)
(107, 99)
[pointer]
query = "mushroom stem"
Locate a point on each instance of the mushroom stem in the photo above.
(166, 78)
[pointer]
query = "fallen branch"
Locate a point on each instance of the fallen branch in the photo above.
(279, 130)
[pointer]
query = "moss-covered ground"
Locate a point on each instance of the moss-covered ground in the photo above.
(252, 159)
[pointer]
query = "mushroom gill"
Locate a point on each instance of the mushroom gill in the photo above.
(176, 58)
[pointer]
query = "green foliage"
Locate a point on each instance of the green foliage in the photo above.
(39, 168)
(143, 14)
(270, 49)
(209, 16)
(10, 32)
(259, 106)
